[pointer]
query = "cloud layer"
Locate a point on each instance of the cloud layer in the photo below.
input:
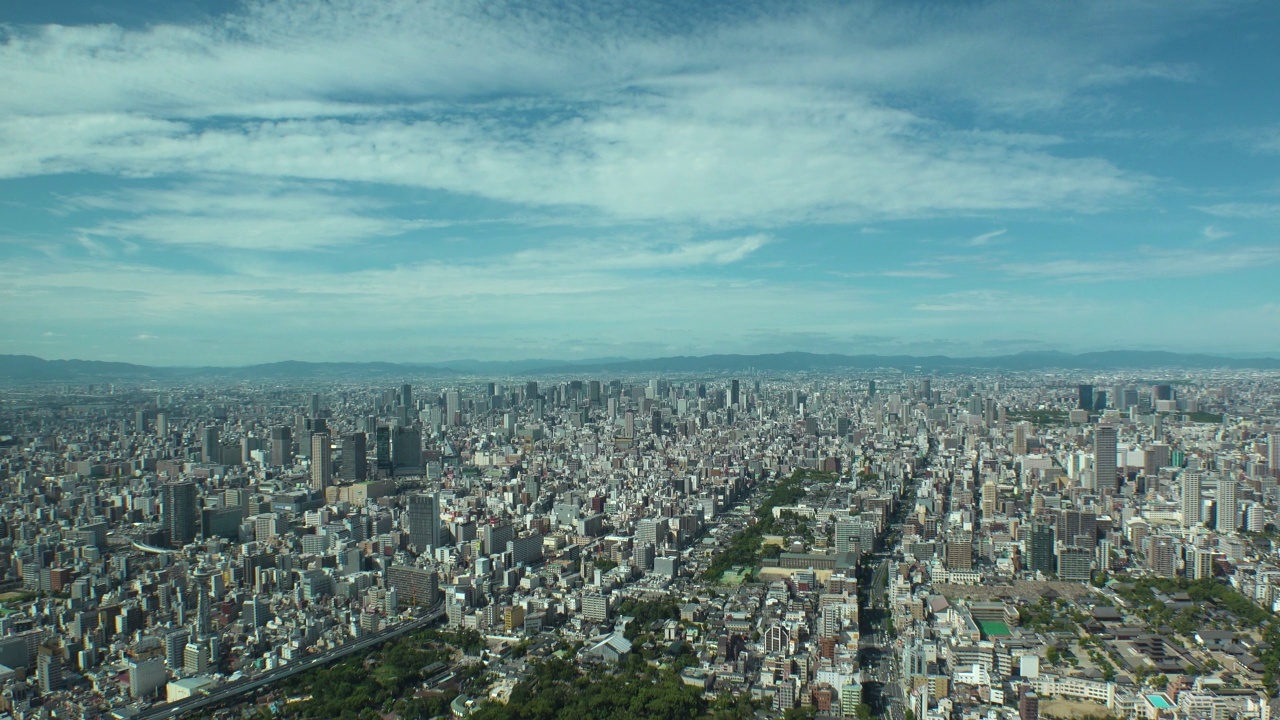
(603, 176)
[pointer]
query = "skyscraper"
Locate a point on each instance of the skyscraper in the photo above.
(281, 446)
(209, 445)
(1104, 456)
(1086, 397)
(1228, 510)
(406, 448)
(424, 520)
(1273, 453)
(406, 395)
(355, 464)
(734, 391)
(382, 447)
(1191, 480)
(321, 462)
(1041, 550)
(178, 511)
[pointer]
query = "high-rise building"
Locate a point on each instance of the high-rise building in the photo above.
(424, 520)
(209, 445)
(413, 585)
(146, 677)
(355, 463)
(406, 448)
(382, 447)
(1086, 397)
(178, 512)
(959, 553)
(1191, 502)
(1041, 543)
(321, 462)
(281, 446)
(1162, 557)
(651, 531)
(1020, 433)
(406, 395)
(990, 499)
(1104, 456)
(734, 393)
(49, 668)
(1273, 453)
(1228, 510)
(1075, 563)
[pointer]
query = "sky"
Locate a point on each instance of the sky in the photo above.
(200, 182)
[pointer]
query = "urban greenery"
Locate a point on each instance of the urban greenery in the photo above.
(556, 690)
(745, 548)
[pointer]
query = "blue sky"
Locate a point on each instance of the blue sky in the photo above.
(217, 183)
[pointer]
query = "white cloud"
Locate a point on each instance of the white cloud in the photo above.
(1148, 263)
(1212, 233)
(1248, 210)
(245, 216)
(986, 238)
(749, 118)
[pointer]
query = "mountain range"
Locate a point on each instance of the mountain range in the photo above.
(27, 368)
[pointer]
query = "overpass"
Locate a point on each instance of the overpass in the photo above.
(235, 689)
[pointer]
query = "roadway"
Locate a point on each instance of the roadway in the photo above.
(232, 690)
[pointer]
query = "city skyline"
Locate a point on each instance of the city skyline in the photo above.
(193, 184)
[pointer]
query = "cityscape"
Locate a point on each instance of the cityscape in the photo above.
(963, 545)
(641, 360)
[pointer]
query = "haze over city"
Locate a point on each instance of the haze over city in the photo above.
(205, 183)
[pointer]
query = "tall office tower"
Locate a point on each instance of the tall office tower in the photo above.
(209, 444)
(321, 462)
(281, 446)
(178, 511)
(530, 390)
(990, 498)
(1100, 400)
(315, 405)
(355, 463)
(1273, 453)
(1041, 549)
(382, 447)
(162, 425)
(406, 395)
(593, 392)
(655, 421)
(1161, 392)
(406, 448)
(734, 392)
(1020, 432)
(452, 407)
(1086, 397)
(1104, 456)
(1191, 503)
(926, 390)
(1227, 508)
(424, 520)
(629, 424)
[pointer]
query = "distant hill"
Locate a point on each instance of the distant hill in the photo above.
(27, 368)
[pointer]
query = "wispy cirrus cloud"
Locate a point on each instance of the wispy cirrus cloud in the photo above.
(1148, 263)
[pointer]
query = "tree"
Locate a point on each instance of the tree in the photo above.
(864, 711)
